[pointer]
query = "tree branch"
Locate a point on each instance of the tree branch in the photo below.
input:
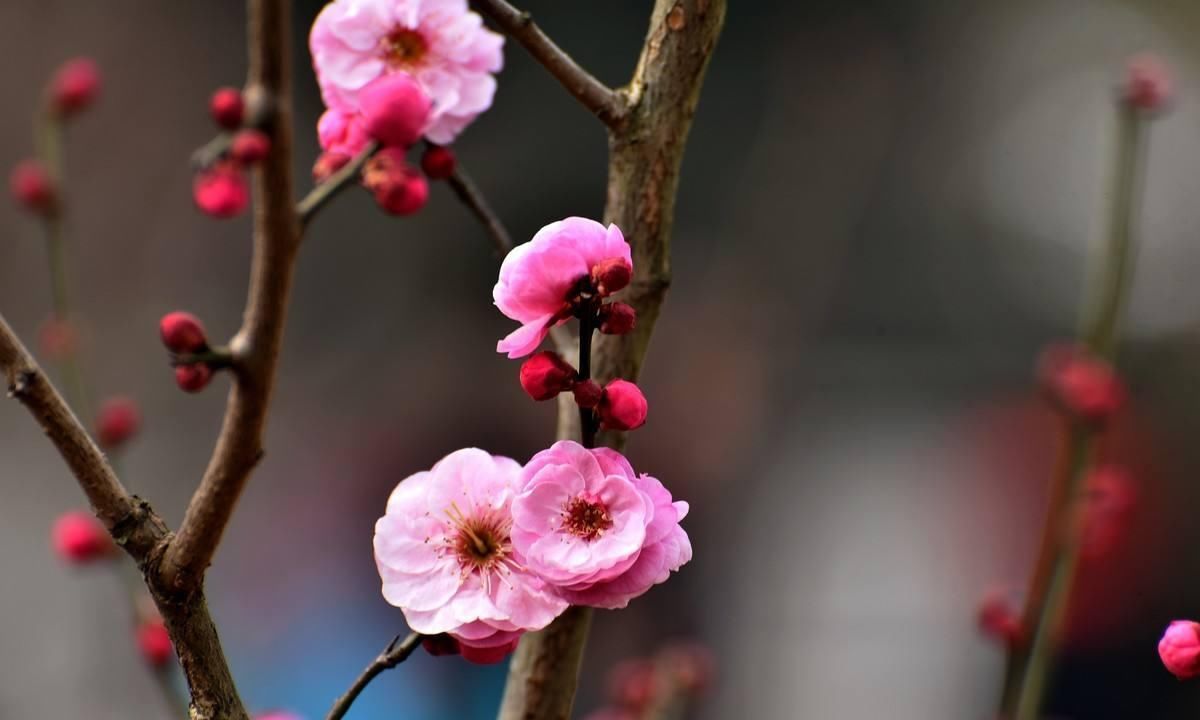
(645, 154)
(470, 196)
(256, 346)
(595, 95)
(395, 653)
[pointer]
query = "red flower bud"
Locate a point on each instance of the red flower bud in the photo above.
(1081, 385)
(182, 332)
(546, 374)
(623, 406)
(193, 378)
(395, 109)
(327, 164)
(227, 107)
(32, 187)
(1180, 649)
(998, 619)
(438, 162)
(1104, 514)
(250, 146)
(1148, 84)
(692, 664)
(221, 190)
(611, 275)
(117, 422)
(632, 683)
(57, 338)
(75, 86)
(78, 538)
(398, 188)
(439, 645)
(617, 318)
(587, 394)
(154, 643)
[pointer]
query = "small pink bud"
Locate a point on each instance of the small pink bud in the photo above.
(154, 643)
(395, 109)
(617, 318)
(1180, 649)
(612, 275)
(398, 188)
(1081, 385)
(193, 378)
(623, 406)
(75, 86)
(693, 665)
(227, 107)
(57, 338)
(998, 619)
(587, 394)
(1148, 84)
(182, 332)
(632, 683)
(327, 164)
(32, 187)
(487, 655)
(440, 645)
(221, 190)
(117, 422)
(78, 538)
(546, 374)
(438, 162)
(250, 147)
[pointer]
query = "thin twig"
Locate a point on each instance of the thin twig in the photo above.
(334, 184)
(471, 196)
(593, 94)
(395, 653)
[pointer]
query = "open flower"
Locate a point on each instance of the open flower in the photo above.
(541, 279)
(440, 43)
(446, 558)
(590, 525)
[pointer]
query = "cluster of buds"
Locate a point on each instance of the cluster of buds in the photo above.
(220, 188)
(73, 88)
(619, 404)
(193, 358)
(653, 686)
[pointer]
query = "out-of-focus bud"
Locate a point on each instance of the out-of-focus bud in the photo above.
(546, 374)
(998, 619)
(193, 378)
(221, 191)
(1084, 386)
(250, 147)
(327, 164)
(78, 538)
(438, 162)
(692, 665)
(75, 86)
(587, 394)
(623, 406)
(1148, 85)
(182, 332)
(117, 422)
(57, 338)
(611, 275)
(154, 643)
(32, 187)
(395, 109)
(227, 107)
(1108, 503)
(617, 318)
(632, 683)
(398, 188)
(1180, 649)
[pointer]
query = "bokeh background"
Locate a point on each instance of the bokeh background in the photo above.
(885, 210)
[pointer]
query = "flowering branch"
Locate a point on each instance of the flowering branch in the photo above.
(595, 95)
(395, 653)
(646, 151)
(256, 345)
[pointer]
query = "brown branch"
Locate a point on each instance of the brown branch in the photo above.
(395, 653)
(645, 153)
(256, 345)
(470, 196)
(593, 94)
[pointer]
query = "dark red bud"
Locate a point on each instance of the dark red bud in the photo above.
(587, 394)
(228, 108)
(623, 406)
(546, 374)
(193, 378)
(182, 332)
(116, 422)
(250, 146)
(611, 275)
(617, 318)
(438, 162)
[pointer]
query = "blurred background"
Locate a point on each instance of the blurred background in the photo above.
(885, 211)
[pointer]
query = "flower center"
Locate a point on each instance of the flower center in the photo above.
(403, 48)
(480, 542)
(586, 516)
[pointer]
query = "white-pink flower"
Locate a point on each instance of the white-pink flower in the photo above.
(539, 278)
(440, 43)
(446, 558)
(590, 525)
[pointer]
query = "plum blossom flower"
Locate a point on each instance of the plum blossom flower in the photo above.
(446, 558)
(440, 43)
(586, 522)
(539, 279)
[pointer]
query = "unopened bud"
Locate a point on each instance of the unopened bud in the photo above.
(617, 318)
(623, 406)
(1179, 649)
(1148, 84)
(32, 187)
(182, 332)
(611, 275)
(117, 422)
(221, 191)
(250, 147)
(587, 394)
(546, 374)
(78, 538)
(398, 188)
(395, 109)
(75, 86)
(227, 107)
(438, 162)
(154, 643)
(193, 378)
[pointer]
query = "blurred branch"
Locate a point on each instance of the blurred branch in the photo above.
(602, 100)
(470, 196)
(395, 653)
(646, 150)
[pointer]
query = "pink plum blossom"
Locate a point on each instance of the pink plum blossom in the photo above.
(444, 553)
(440, 43)
(586, 522)
(539, 278)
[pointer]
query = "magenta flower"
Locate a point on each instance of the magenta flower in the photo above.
(440, 43)
(539, 280)
(590, 525)
(446, 558)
